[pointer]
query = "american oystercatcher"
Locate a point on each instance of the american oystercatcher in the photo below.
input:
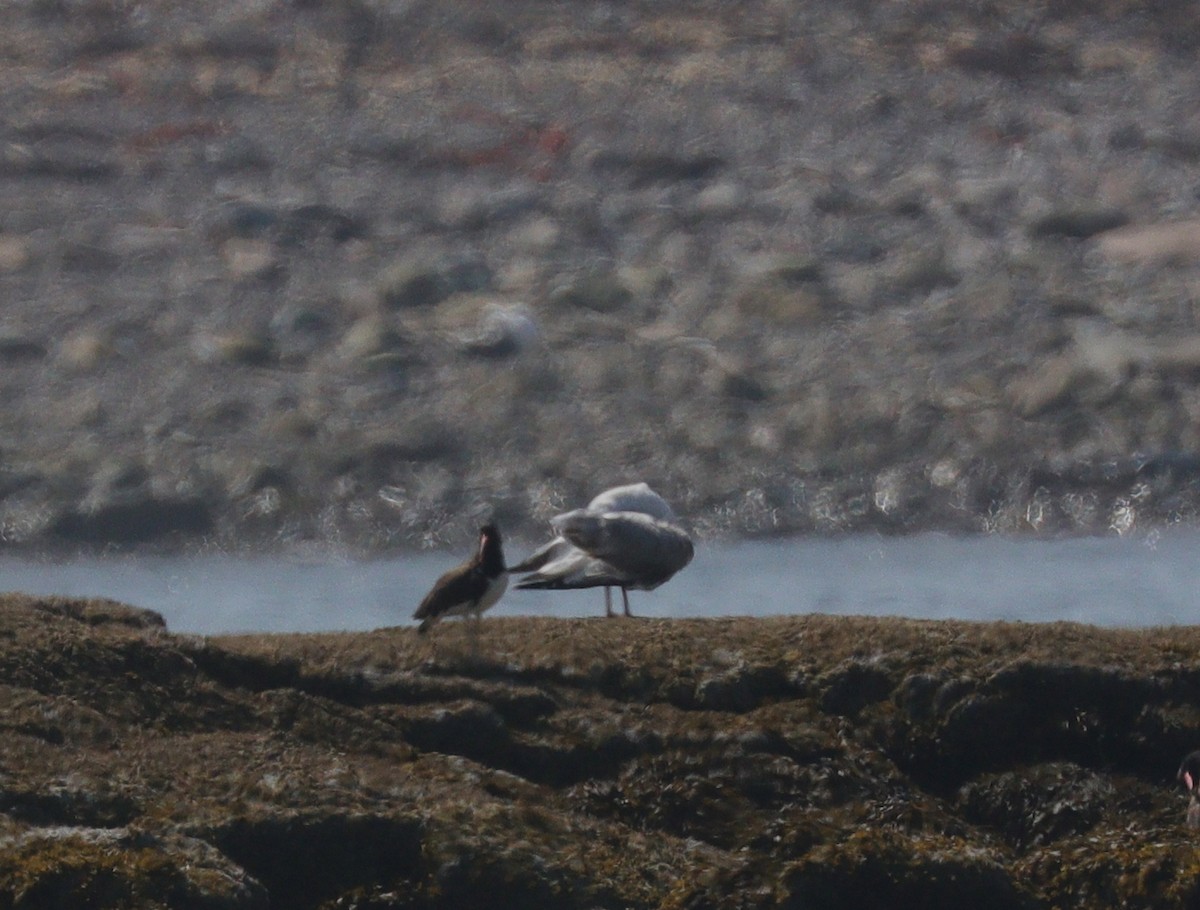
(1189, 776)
(469, 589)
(626, 538)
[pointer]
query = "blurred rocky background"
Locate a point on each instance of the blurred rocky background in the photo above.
(360, 272)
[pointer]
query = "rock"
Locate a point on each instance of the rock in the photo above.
(720, 200)
(1161, 244)
(72, 867)
(1049, 386)
(646, 168)
(1080, 224)
(301, 330)
(1016, 55)
(15, 253)
(254, 478)
(314, 221)
(922, 274)
(599, 291)
(97, 612)
(1039, 805)
(1181, 144)
(241, 348)
(416, 284)
(855, 685)
(783, 305)
(410, 285)
(503, 331)
(729, 762)
(470, 208)
(466, 273)
(1127, 137)
(537, 235)
(1091, 876)
(874, 868)
(238, 153)
(251, 259)
(784, 290)
(145, 241)
(741, 384)
(68, 159)
(1182, 354)
(85, 351)
(369, 337)
(787, 270)
(1099, 362)
(16, 348)
(245, 220)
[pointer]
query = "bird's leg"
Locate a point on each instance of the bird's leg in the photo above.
(625, 597)
(608, 601)
(475, 622)
(430, 641)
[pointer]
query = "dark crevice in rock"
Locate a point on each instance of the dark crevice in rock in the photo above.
(69, 807)
(306, 860)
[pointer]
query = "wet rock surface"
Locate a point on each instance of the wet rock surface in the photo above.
(361, 273)
(593, 763)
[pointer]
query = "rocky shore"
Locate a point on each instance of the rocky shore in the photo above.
(793, 762)
(360, 272)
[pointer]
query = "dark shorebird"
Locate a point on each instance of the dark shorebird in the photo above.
(1189, 776)
(626, 538)
(469, 589)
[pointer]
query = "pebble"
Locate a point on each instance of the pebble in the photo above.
(15, 253)
(85, 351)
(251, 259)
(1154, 244)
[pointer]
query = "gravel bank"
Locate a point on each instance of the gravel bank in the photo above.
(360, 273)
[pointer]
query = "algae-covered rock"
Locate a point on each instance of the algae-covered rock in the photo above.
(1133, 867)
(85, 868)
(880, 869)
(791, 762)
(1039, 804)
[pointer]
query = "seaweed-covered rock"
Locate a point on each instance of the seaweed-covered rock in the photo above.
(807, 762)
(87, 868)
(1040, 804)
(1129, 867)
(874, 870)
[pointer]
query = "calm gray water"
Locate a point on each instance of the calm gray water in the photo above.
(1146, 580)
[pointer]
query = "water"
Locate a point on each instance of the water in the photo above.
(1149, 580)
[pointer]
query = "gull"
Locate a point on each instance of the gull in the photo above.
(628, 537)
(469, 589)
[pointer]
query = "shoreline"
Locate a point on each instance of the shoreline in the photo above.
(1131, 581)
